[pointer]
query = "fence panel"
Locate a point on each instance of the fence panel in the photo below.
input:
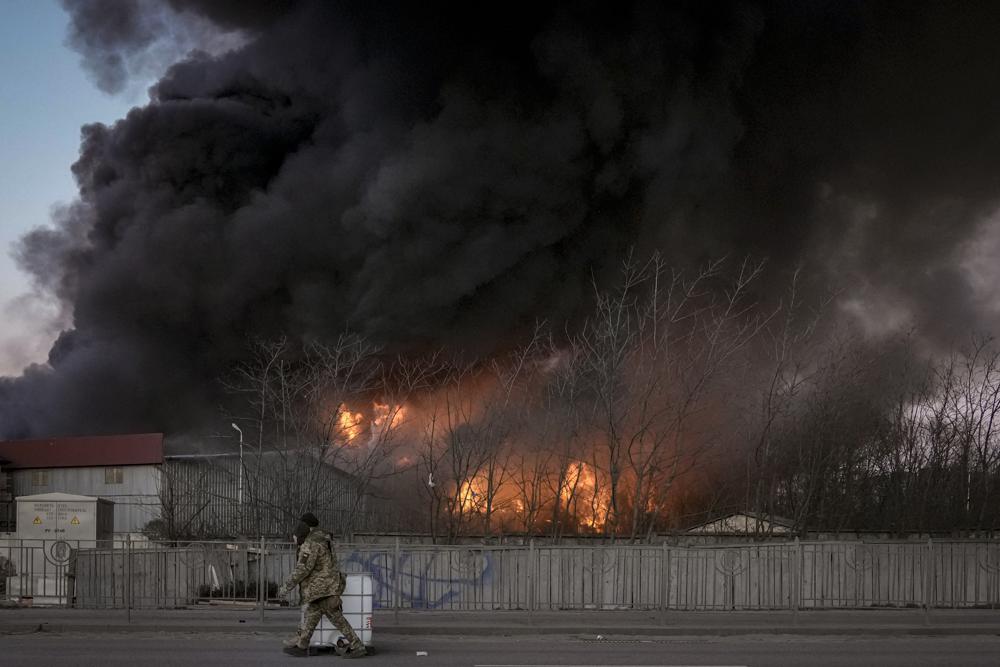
(965, 573)
(37, 570)
(119, 574)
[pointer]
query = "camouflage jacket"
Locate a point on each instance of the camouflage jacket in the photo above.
(317, 572)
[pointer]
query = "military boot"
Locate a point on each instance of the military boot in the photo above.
(356, 652)
(291, 641)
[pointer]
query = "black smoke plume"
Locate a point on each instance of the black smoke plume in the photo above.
(446, 174)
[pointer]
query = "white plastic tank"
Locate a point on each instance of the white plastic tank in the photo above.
(357, 600)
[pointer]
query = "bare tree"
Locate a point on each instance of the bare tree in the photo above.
(789, 343)
(326, 416)
(653, 351)
(183, 503)
(974, 407)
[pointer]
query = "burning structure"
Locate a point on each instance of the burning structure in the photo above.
(374, 205)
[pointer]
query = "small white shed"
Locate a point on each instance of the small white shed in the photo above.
(745, 523)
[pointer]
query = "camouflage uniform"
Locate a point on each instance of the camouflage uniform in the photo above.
(321, 584)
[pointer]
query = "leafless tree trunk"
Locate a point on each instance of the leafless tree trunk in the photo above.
(652, 353)
(326, 418)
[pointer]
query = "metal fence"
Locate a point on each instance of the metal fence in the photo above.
(792, 575)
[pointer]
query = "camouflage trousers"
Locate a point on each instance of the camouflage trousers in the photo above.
(333, 609)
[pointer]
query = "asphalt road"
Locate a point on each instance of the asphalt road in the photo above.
(149, 650)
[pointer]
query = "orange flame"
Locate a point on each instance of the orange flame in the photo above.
(349, 422)
(580, 487)
(473, 492)
(386, 417)
(352, 425)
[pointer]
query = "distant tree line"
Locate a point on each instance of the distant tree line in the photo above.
(881, 437)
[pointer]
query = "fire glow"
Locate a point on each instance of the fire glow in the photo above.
(579, 494)
(386, 417)
(582, 493)
(473, 493)
(352, 425)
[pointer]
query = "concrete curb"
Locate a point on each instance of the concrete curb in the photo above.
(583, 632)
(109, 628)
(696, 631)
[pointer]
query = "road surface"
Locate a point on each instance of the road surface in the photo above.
(156, 649)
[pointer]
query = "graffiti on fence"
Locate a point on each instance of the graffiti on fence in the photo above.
(989, 562)
(425, 580)
(863, 558)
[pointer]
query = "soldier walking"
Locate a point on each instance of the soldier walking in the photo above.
(321, 584)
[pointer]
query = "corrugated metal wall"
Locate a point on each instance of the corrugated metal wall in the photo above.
(7, 508)
(201, 496)
(136, 498)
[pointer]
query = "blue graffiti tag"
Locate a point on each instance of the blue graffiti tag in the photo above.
(414, 583)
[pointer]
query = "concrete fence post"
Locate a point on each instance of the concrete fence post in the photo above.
(600, 577)
(532, 575)
(665, 577)
(127, 583)
(797, 581)
(396, 583)
(928, 579)
(261, 580)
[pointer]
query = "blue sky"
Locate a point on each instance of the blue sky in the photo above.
(45, 98)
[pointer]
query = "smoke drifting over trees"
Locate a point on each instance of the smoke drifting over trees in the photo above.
(679, 399)
(444, 177)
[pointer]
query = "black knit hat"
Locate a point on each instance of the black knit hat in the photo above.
(309, 519)
(300, 532)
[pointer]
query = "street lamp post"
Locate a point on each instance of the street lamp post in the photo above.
(239, 492)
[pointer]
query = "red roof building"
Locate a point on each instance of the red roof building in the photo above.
(86, 451)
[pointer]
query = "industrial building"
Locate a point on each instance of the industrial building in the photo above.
(123, 469)
(167, 491)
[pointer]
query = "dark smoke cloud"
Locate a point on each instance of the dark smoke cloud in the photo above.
(121, 40)
(447, 175)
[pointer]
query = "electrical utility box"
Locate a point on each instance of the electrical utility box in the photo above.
(82, 521)
(51, 529)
